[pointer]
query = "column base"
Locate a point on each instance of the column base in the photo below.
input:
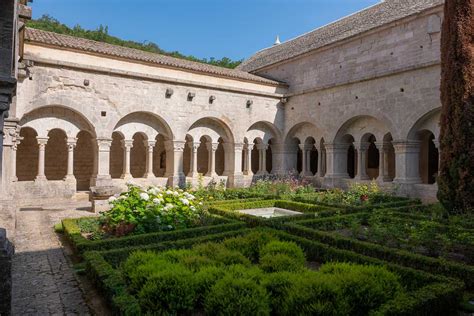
(236, 180)
(407, 180)
(101, 181)
(192, 175)
(70, 178)
(306, 174)
(40, 178)
(150, 176)
(361, 178)
(177, 180)
(262, 173)
(211, 175)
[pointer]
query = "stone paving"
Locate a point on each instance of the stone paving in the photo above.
(43, 279)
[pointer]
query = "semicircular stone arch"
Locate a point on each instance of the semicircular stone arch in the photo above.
(146, 123)
(211, 127)
(47, 118)
(361, 127)
(263, 131)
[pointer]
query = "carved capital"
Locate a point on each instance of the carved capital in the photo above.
(127, 143)
(239, 147)
(104, 144)
(212, 146)
(174, 145)
(42, 141)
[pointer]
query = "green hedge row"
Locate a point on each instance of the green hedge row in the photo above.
(116, 256)
(309, 211)
(429, 294)
(402, 257)
(81, 244)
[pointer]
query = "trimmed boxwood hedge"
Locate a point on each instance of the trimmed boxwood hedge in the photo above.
(309, 211)
(81, 244)
(428, 294)
(434, 265)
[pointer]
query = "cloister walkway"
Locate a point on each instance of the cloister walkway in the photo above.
(43, 279)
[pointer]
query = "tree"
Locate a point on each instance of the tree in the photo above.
(456, 180)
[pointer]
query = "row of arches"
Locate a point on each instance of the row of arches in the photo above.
(56, 143)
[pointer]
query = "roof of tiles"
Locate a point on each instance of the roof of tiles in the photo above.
(375, 16)
(81, 44)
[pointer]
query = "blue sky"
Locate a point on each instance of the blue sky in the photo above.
(203, 28)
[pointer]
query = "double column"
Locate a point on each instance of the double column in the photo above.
(248, 160)
(193, 171)
(211, 166)
(336, 161)
(383, 148)
(306, 160)
(262, 159)
(362, 148)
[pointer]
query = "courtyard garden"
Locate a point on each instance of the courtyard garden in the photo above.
(276, 248)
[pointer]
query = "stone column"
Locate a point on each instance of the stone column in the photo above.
(194, 167)
(248, 160)
(103, 177)
(362, 148)
(383, 162)
(71, 144)
(211, 169)
(174, 162)
(229, 159)
(319, 173)
(306, 160)
(42, 141)
(235, 178)
(262, 159)
(407, 160)
(336, 160)
(13, 162)
(127, 147)
(150, 144)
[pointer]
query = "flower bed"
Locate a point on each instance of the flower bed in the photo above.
(337, 232)
(264, 273)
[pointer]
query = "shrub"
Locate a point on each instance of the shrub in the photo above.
(169, 291)
(365, 288)
(288, 248)
(314, 294)
(280, 262)
(188, 258)
(250, 245)
(154, 209)
(245, 272)
(278, 286)
(221, 254)
(205, 280)
(237, 296)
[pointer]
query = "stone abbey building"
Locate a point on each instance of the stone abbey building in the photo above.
(356, 100)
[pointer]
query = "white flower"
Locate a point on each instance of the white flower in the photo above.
(175, 193)
(168, 207)
(112, 199)
(184, 201)
(157, 201)
(122, 197)
(144, 196)
(169, 192)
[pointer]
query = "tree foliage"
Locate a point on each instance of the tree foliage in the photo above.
(456, 181)
(101, 34)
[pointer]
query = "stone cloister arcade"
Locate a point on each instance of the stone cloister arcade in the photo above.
(58, 144)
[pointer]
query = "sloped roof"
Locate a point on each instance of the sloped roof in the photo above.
(382, 13)
(81, 44)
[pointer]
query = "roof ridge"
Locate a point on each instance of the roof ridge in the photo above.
(361, 21)
(88, 45)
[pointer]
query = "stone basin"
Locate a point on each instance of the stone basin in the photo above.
(269, 212)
